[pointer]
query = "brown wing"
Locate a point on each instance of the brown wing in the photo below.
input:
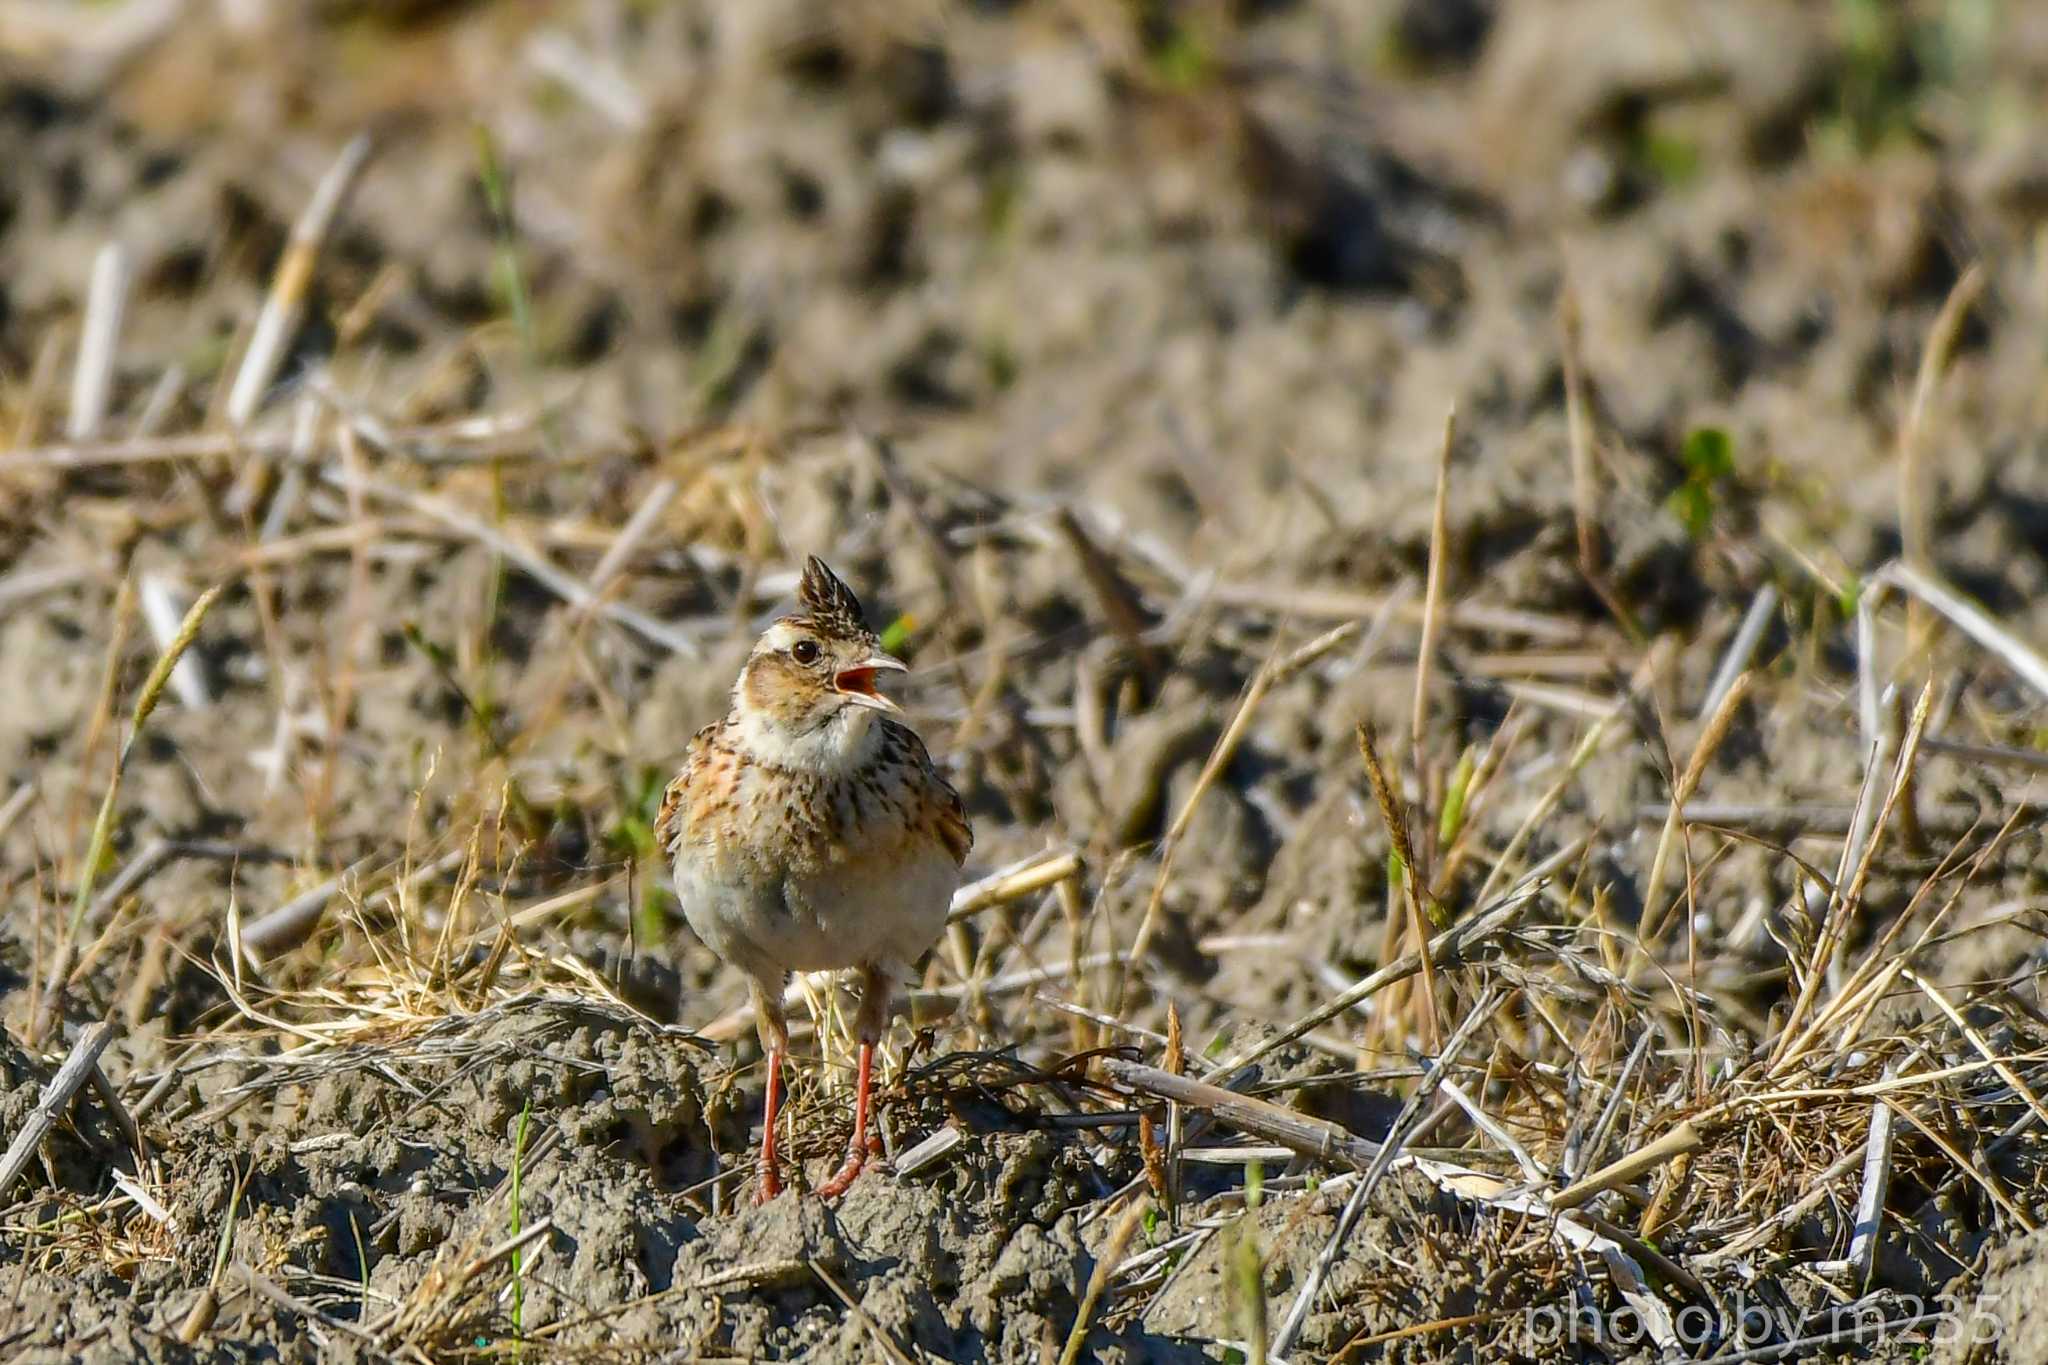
(952, 823)
(942, 806)
(668, 821)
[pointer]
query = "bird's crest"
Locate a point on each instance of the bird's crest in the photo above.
(830, 603)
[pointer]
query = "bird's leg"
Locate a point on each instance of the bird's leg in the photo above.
(857, 1149)
(774, 1031)
(874, 1013)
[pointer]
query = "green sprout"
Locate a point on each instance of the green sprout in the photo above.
(897, 633)
(1709, 459)
(1453, 817)
(518, 1257)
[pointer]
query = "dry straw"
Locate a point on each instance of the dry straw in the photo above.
(103, 824)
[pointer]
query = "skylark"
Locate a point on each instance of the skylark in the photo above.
(810, 832)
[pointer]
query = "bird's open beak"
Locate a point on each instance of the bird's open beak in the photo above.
(857, 684)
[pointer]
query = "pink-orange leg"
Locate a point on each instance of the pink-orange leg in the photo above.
(771, 1167)
(857, 1147)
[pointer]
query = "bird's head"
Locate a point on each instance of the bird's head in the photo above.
(818, 667)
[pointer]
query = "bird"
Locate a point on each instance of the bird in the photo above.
(809, 830)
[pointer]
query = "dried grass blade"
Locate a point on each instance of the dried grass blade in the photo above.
(1310, 1137)
(1397, 1135)
(1395, 815)
(1433, 587)
(1915, 505)
(861, 1315)
(1014, 883)
(287, 298)
(103, 825)
(1106, 1266)
(1977, 1040)
(2021, 657)
(76, 1071)
(1795, 1038)
(1655, 904)
(92, 384)
(1742, 648)
(1453, 946)
(1877, 1180)
(1678, 1142)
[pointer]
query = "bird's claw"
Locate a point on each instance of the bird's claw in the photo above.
(856, 1160)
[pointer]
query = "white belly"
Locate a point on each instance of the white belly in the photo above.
(882, 911)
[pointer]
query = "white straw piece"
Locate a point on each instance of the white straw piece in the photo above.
(92, 384)
(1742, 648)
(930, 1151)
(601, 84)
(2021, 657)
(1877, 1179)
(287, 299)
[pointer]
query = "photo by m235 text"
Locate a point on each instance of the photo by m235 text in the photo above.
(1750, 1324)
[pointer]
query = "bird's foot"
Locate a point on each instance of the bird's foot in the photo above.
(856, 1159)
(770, 1186)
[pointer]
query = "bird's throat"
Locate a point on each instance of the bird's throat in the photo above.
(826, 742)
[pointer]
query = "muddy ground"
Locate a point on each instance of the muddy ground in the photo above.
(1107, 349)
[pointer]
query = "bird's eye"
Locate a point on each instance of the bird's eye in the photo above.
(804, 651)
